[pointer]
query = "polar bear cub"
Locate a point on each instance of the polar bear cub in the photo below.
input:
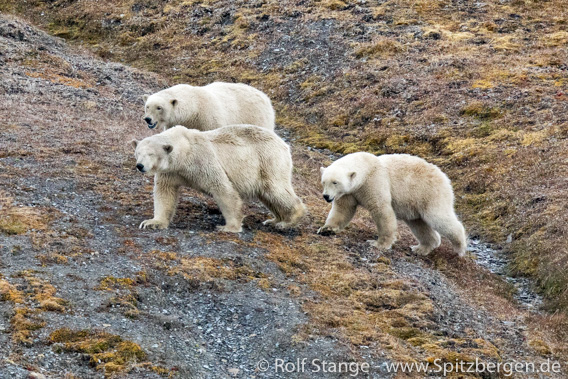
(393, 186)
(210, 107)
(228, 163)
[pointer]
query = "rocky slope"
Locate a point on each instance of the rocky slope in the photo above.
(85, 293)
(477, 87)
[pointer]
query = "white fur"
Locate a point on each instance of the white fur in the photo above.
(210, 107)
(228, 163)
(393, 186)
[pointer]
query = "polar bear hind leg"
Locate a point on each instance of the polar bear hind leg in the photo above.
(428, 238)
(448, 225)
(286, 207)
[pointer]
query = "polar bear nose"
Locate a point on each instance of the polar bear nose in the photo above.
(148, 120)
(326, 197)
(140, 167)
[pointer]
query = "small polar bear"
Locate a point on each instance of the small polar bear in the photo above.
(209, 107)
(228, 163)
(393, 186)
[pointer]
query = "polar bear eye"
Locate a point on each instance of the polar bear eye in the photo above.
(159, 108)
(334, 183)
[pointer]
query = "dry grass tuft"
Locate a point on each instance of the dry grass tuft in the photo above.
(58, 78)
(9, 293)
(34, 297)
(24, 322)
(107, 352)
(126, 298)
(20, 219)
(381, 48)
(208, 271)
(43, 293)
(367, 307)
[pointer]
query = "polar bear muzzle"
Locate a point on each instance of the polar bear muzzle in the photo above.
(149, 122)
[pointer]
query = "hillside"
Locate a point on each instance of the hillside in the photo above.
(477, 87)
(85, 293)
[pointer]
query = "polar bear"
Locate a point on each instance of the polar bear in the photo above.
(228, 163)
(209, 107)
(393, 186)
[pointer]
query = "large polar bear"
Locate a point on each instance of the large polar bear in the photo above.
(393, 186)
(228, 163)
(210, 107)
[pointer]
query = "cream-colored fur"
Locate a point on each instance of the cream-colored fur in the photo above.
(393, 186)
(210, 107)
(228, 163)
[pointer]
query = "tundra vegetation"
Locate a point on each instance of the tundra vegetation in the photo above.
(478, 88)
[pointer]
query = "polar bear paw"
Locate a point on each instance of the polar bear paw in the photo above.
(229, 229)
(280, 224)
(421, 250)
(381, 246)
(327, 230)
(153, 224)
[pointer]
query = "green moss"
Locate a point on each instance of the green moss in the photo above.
(110, 282)
(485, 129)
(481, 111)
(12, 226)
(406, 333)
(107, 351)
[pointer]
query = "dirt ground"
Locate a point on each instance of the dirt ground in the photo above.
(85, 293)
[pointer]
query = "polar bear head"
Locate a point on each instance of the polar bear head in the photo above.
(159, 110)
(152, 155)
(337, 181)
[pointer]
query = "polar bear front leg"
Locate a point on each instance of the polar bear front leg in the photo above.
(230, 204)
(385, 219)
(342, 211)
(165, 202)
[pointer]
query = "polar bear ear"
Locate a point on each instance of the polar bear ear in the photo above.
(145, 97)
(352, 175)
(322, 169)
(134, 143)
(174, 102)
(168, 148)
